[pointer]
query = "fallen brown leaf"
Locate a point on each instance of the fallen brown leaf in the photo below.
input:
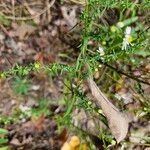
(39, 57)
(23, 29)
(117, 121)
(63, 136)
(15, 142)
(35, 125)
(147, 67)
(39, 122)
(69, 16)
(41, 42)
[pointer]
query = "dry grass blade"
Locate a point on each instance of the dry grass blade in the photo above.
(118, 122)
(81, 2)
(33, 16)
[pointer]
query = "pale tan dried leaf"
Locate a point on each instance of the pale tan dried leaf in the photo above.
(147, 67)
(24, 29)
(69, 16)
(39, 122)
(81, 2)
(117, 121)
(15, 142)
(87, 121)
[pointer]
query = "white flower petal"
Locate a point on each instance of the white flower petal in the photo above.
(128, 30)
(101, 51)
(124, 44)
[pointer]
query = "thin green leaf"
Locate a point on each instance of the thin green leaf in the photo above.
(3, 141)
(3, 131)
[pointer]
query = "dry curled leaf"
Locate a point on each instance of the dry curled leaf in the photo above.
(117, 121)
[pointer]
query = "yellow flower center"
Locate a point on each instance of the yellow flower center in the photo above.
(129, 38)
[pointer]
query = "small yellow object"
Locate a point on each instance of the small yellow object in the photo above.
(100, 111)
(37, 65)
(113, 28)
(84, 147)
(66, 146)
(96, 69)
(104, 43)
(100, 66)
(129, 39)
(72, 144)
(89, 103)
(2, 75)
(119, 84)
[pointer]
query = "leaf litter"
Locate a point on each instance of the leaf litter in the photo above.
(44, 42)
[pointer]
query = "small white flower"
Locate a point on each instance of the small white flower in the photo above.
(125, 97)
(118, 96)
(101, 51)
(127, 39)
(25, 110)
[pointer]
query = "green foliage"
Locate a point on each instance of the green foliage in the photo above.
(42, 108)
(4, 148)
(4, 119)
(3, 140)
(4, 20)
(20, 85)
(3, 131)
